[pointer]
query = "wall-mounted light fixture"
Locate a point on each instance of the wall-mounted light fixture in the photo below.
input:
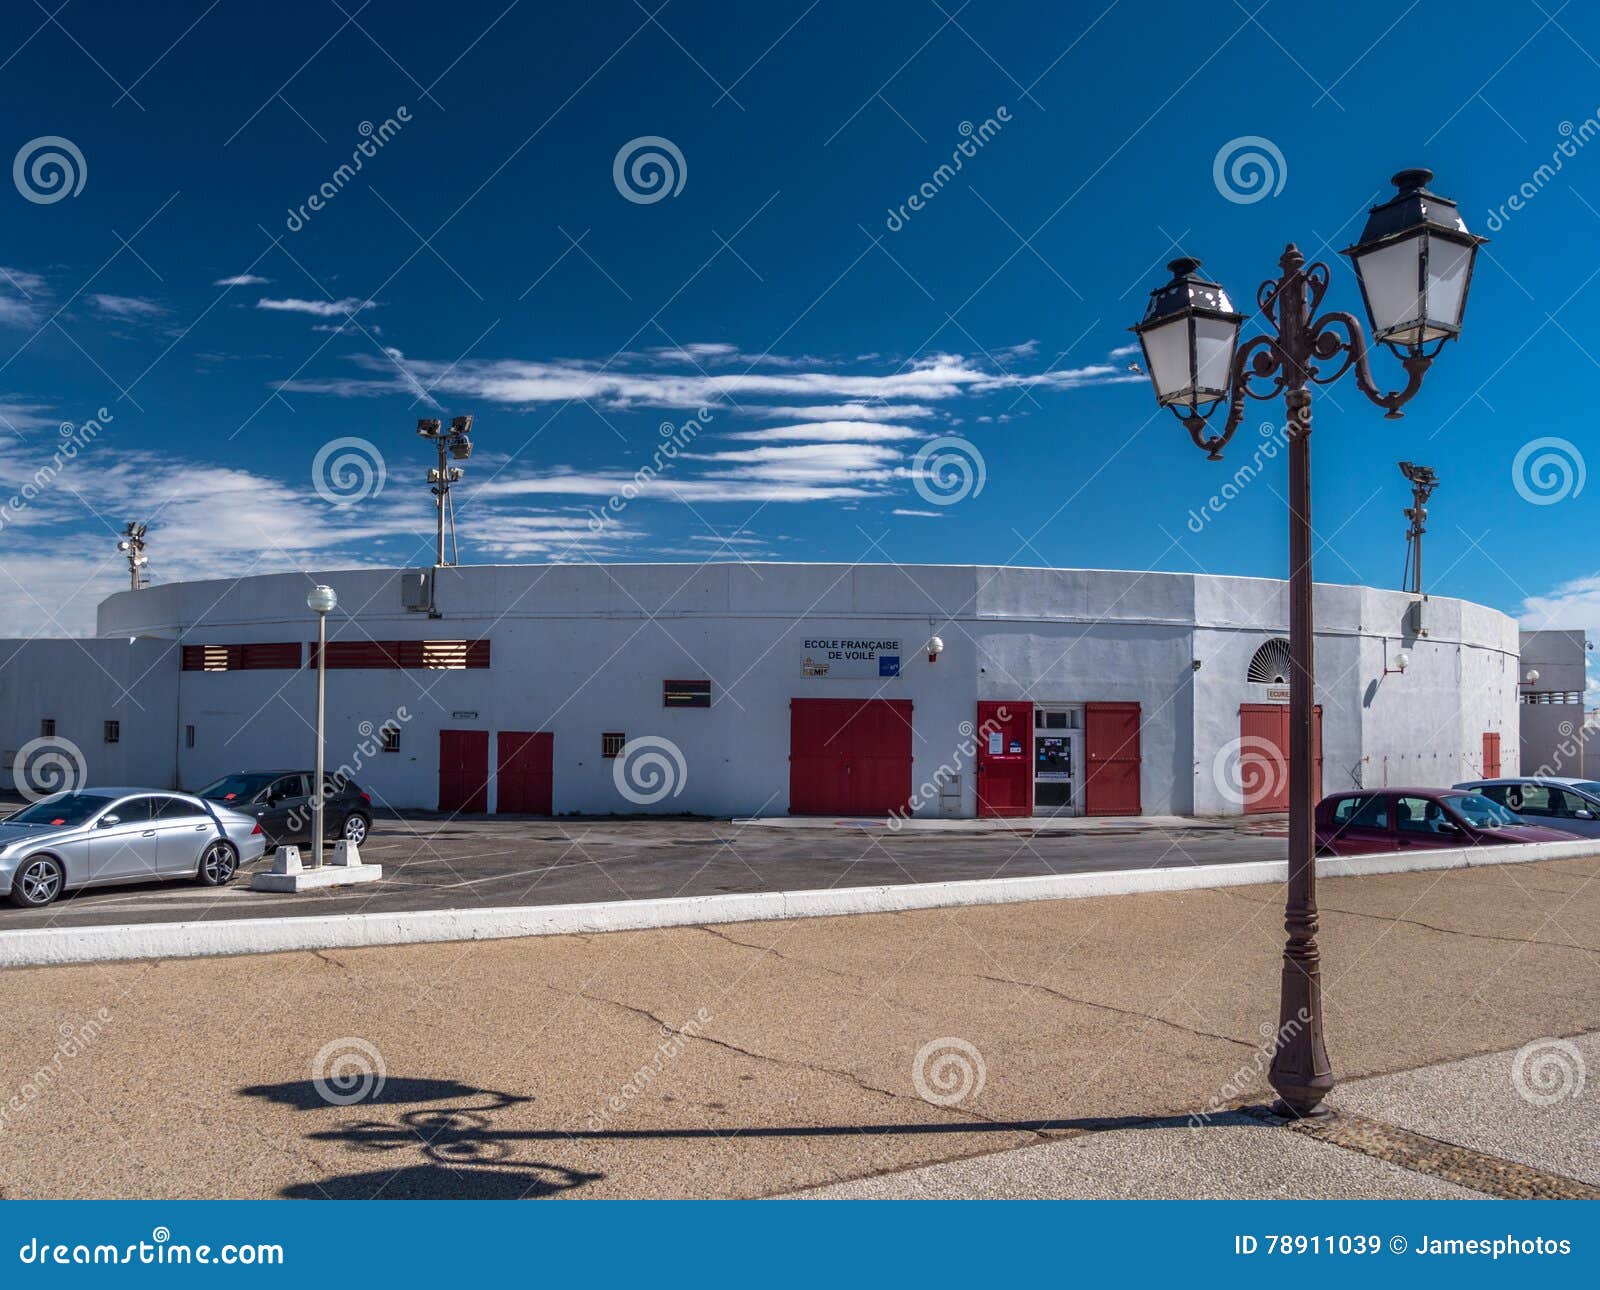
(935, 648)
(1402, 660)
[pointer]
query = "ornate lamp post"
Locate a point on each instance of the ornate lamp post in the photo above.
(1414, 263)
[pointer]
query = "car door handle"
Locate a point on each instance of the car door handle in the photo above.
(200, 828)
(148, 833)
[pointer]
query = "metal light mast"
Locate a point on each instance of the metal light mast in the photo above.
(132, 546)
(1423, 482)
(456, 443)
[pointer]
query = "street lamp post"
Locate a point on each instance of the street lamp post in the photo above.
(1414, 264)
(321, 601)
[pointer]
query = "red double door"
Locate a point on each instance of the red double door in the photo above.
(1006, 765)
(849, 756)
(1264, 756)
(524, 767)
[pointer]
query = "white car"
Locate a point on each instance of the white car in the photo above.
(1561, 802)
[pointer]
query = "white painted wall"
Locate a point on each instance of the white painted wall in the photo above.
(82, 684)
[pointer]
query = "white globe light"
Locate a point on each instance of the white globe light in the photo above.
(1402, 660)
(321, 600)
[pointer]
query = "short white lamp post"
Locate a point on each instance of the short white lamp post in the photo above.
(321, 601)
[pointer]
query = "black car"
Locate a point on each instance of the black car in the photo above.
(281, 801)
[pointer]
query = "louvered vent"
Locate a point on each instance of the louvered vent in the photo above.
(1270, 666)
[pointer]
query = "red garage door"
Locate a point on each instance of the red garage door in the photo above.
(1111, 756)
(849, 756)
(524, 769)
(1264, 756)
(464, 770)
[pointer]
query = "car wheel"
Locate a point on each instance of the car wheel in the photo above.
(218, 865)
(37, 882)
(356, 828)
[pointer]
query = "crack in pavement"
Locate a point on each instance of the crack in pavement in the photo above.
(1111, 1007)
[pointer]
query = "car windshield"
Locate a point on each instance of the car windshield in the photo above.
(1482, 812)
(236, 788)
(1587, 786)
(62, 810)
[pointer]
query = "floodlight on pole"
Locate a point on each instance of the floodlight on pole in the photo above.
(1423, 482)
(452, 444)
(132, 546)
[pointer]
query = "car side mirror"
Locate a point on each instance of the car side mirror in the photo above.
(106, 821)
(1583, 815)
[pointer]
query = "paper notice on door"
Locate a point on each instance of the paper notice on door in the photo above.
(997, 744)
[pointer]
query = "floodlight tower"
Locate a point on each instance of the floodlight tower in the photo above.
(132, 546)
(1423, 482)
(454, 443)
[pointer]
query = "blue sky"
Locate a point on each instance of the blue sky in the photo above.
(484, 259)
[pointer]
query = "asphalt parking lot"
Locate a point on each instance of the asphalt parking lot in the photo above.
(435, 862)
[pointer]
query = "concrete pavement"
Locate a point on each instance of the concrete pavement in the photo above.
(759, 1059)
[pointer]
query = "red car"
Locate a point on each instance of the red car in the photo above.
(1397, 819)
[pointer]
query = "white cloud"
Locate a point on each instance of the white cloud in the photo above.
(519, 382)
(127, 306)
(316, 308)
(846, 412)
(668, 487)
(23, 414)
(21, 294)
(242, 280)
(1571, 605)
(1126, 351)
(927, 515)
(831, 431)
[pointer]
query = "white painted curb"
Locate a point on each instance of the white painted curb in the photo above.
(48, 946)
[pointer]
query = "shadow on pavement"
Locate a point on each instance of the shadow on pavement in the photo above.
(467, 1156)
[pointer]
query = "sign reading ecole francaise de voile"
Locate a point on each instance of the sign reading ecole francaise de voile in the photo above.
(844, 657)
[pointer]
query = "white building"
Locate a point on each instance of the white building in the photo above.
(761, 689)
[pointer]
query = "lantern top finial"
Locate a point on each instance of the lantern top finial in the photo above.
(1417, 177)
(1183, 266)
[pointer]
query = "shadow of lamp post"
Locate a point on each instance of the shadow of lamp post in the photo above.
(1414, 264)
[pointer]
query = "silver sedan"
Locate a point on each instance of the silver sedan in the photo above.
(94, 837)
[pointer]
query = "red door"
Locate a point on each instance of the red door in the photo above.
(1491, 754)
(1111, 756)
(524, 771)
(463, 770)
(1264, 756)
(1005, 778)
(849, 756)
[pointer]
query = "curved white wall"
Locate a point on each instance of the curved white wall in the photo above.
(582, 649)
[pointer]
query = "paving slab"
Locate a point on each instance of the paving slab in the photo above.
(1233, 1157)
(1538, 1105)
